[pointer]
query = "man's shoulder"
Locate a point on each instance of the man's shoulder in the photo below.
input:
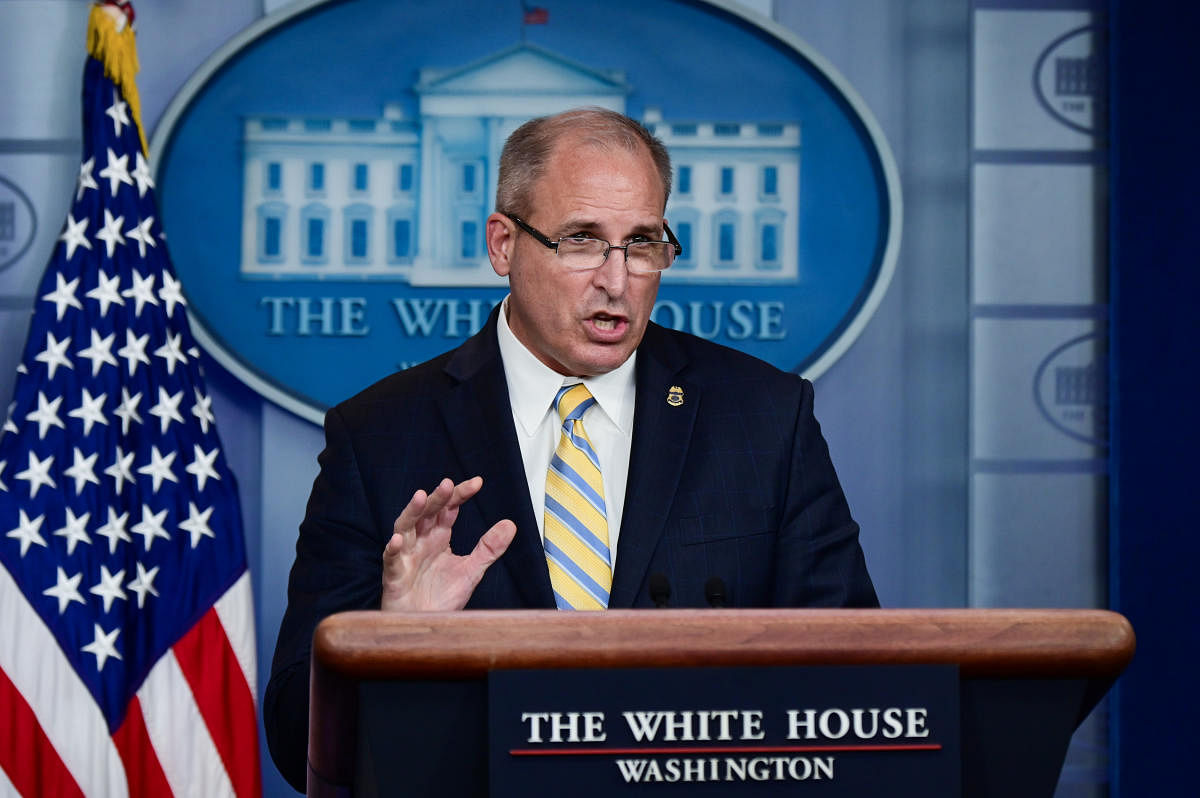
(717, 364)
(399, 394)
(412, 390)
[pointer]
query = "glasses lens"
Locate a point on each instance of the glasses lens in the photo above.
(650, 256)
(581, 253)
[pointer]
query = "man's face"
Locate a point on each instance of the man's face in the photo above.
(582, 323)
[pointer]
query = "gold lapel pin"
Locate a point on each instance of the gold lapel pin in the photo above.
(675, 396)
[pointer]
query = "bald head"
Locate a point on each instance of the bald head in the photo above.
(528, 151)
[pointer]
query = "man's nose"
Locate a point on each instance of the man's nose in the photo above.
(613, 274)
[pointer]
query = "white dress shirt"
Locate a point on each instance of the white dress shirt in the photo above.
(532, 386)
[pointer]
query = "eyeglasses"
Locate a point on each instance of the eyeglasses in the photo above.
(581, 253)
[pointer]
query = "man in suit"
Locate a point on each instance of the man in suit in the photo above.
(706, 465)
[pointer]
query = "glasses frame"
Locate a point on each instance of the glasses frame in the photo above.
(545, 241)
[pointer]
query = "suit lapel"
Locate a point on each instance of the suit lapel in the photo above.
(662, 432)
(479, 417)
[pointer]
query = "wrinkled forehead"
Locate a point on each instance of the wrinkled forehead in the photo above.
(575, 153)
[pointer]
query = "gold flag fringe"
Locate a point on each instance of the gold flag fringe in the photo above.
(117, 51)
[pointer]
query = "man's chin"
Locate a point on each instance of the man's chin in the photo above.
(601, 359)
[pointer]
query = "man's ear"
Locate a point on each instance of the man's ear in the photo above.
(501, 235)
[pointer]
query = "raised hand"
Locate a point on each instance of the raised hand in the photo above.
(420, 572)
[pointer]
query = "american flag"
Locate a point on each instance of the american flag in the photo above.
(534, 15)
(127, 661)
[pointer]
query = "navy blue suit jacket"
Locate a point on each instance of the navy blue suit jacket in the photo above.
(735, 482)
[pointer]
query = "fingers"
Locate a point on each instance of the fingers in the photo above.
(439, 507)
(448, 496)
(412, 512)
(489, 549)
(493, 544)
(420, 572)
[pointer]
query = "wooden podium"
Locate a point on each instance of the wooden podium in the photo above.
(422, 676)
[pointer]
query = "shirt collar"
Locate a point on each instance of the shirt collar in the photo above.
(532, 384)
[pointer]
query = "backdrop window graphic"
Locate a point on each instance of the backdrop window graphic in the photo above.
(336, 208)
(126, 625)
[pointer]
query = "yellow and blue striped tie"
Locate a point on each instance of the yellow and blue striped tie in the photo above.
(576, 521)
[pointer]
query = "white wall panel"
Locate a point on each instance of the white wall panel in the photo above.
(1038, 234)
(1040, 540)
(1008, 45)
(1031, 400)
(46, 180)
(42, 43)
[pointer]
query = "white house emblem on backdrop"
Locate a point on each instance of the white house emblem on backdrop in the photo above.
(1070, 388)
(327, 219)
(18, 223)
(1068, 79)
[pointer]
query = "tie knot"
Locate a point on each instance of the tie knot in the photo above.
(573, 401)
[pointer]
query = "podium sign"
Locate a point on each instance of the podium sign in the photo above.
(756, 731)
(449, 703)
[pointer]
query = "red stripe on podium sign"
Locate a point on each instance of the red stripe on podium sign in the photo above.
(723, 749)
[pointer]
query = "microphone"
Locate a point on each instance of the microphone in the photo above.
(660, 589)
(714, 592)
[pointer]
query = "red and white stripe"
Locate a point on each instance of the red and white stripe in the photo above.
(190, 730)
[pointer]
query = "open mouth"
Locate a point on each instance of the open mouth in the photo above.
(607, 325)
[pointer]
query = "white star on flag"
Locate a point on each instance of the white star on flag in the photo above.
(116, 173)
(86, 180)
(171, 293)
(110, 234)
(127, 410)
(143, 583)
(167, 408)
(55, 354)
(121, 469)
(109, 587)
(159, 468)
(82, 470)
(65, 589)
(170, 352)
(90, 410)
(118, 113)
(134, 350)
(197, 524)
(106, 292)
(27, 533)
(202, 410)
(37, 474)
(142, 291)
(151, 526)
(144, 238)
(100, 352)
(63, 295)
(74, 236)
(114, 530)
(103, 646)
(141, 173)
(74, 530)
(46, 414)
(202, 466)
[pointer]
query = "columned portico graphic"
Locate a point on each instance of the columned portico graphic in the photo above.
(405, 199)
